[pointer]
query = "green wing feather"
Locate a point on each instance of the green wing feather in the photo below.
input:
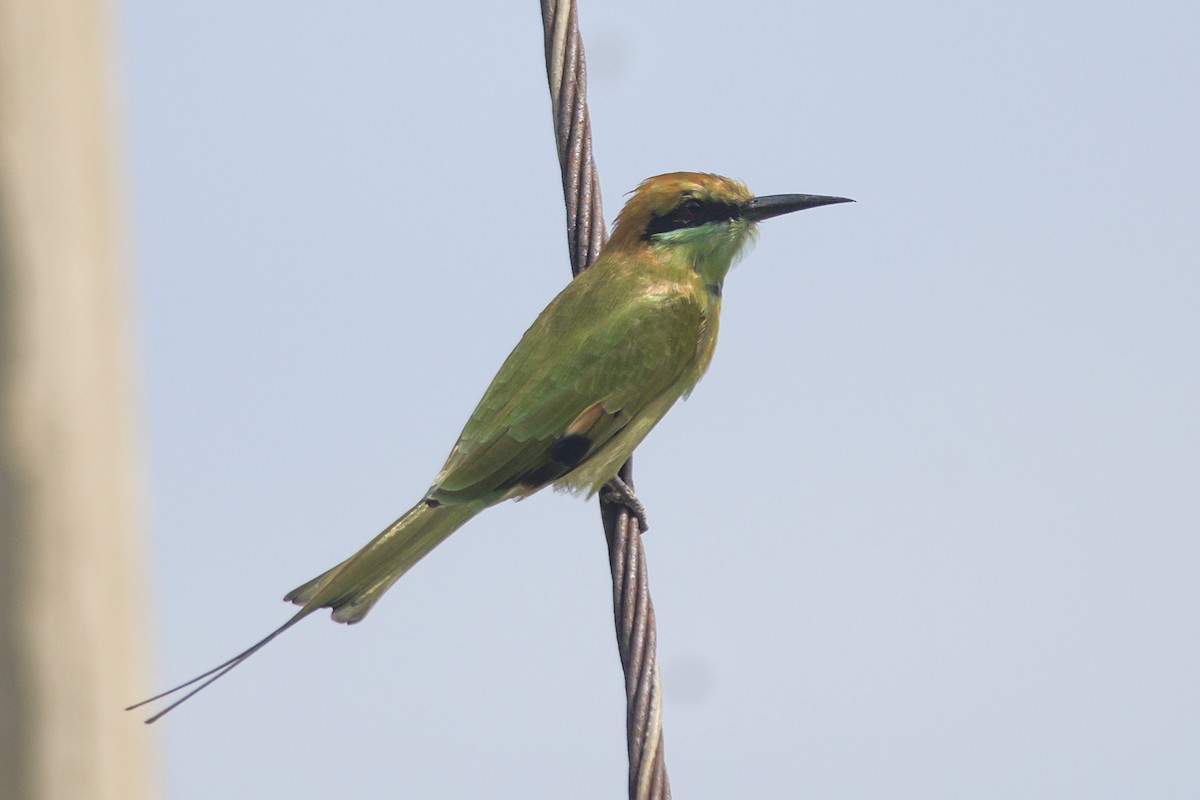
(594, 344)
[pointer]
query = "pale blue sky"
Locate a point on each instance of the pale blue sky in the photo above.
(928, 529)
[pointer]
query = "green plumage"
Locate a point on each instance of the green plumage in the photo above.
(601, 364)
(622, 342)
(614, 337)
(597, 369)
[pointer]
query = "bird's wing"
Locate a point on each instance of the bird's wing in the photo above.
(586, 366)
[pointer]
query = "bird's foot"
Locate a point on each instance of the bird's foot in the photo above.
(620, 493)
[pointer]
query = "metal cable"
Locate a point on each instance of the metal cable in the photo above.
(632, 609)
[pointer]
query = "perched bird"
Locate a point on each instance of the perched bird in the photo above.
(598, 368)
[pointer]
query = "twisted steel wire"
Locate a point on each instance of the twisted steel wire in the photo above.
(632, 609)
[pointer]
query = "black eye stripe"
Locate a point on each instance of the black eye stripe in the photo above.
(683, 217)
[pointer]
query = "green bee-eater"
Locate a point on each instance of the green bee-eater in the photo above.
(598, 368)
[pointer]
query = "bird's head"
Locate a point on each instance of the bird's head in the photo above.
(705, 219)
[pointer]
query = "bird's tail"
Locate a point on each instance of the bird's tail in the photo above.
(352, 587)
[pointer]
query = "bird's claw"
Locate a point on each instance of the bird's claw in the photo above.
(618, 492)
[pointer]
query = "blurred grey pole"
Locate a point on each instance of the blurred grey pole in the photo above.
(71, 600)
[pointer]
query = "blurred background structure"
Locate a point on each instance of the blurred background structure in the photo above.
(72, 614)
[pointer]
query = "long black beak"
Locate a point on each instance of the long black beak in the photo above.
(760, 208)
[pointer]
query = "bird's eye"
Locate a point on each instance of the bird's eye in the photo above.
(692, 209)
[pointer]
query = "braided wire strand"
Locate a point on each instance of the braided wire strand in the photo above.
(633, 610)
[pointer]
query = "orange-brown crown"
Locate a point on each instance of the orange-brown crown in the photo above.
(658, 196)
